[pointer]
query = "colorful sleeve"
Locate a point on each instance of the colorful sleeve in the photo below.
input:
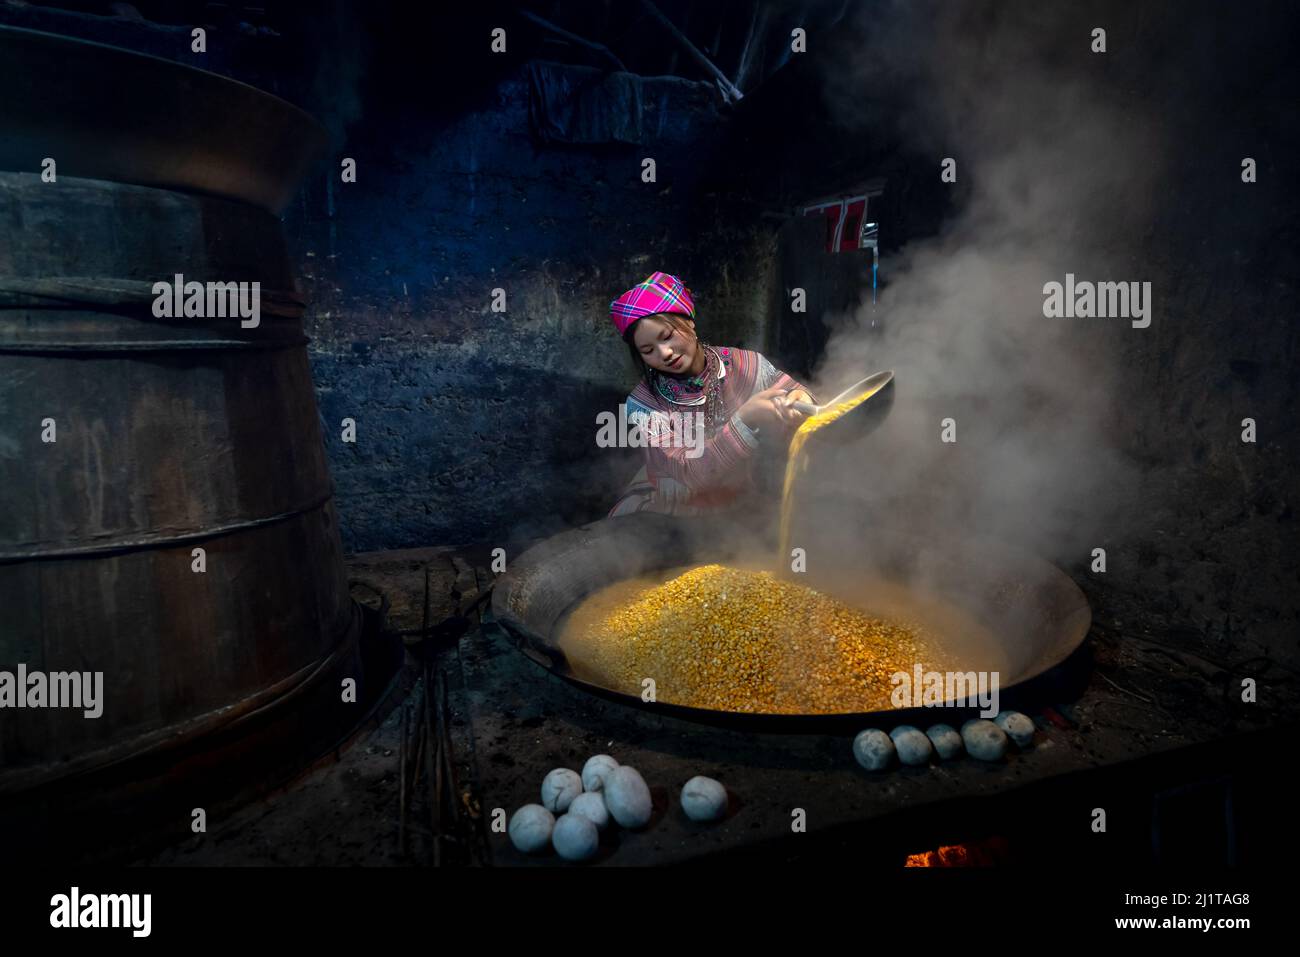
(704, 462)
(770, 376)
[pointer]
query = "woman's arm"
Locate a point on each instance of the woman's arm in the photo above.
(710, 462)
(770, 376)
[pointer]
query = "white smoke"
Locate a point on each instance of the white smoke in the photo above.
(1053, 176)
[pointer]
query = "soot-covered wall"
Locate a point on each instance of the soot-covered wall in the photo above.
(476, 425)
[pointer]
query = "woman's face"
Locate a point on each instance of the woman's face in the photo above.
(665, 347)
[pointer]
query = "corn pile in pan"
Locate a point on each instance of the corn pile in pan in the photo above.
(742, 640)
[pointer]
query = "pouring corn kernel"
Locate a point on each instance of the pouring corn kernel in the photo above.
(797, 463)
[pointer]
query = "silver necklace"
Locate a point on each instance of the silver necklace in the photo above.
(712, 386)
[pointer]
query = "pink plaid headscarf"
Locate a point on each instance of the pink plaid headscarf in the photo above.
(659, 292)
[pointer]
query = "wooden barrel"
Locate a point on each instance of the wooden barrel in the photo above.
(169, 435)
(101, 112)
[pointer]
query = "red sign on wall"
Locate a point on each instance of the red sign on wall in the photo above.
(844, 219)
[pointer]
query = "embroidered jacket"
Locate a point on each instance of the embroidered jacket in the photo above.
(679, 480)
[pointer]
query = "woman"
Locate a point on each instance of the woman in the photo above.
(740, 396)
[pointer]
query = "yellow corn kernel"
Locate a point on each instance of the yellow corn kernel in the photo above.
(770, 646)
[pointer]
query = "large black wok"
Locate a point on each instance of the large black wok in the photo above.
(1035, 613)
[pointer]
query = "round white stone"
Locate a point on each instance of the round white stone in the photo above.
(575, 837)
(984, 740)
(946, 741)
(913, 747)
(627, 797)
(591, 805)
(530, 828)
(1018, 727)
(704, 799)
(873, 749)
(594, 771)
(559, 788)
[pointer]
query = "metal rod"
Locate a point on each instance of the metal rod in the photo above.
(441, 760)
(401, 779)
(434, 778)
(728, 88)
(417, 732)
(424, 624)
(416, 747)
(477, 840)
(444, 725)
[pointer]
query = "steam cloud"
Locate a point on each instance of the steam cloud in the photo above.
(1055, 174)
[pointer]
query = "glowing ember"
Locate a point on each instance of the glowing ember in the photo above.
(974, 854)
(948, 855)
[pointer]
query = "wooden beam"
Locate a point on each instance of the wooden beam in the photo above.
(742, 66)
(574, 38)
(728, 88)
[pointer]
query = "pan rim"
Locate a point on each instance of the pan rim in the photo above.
(1075, 623)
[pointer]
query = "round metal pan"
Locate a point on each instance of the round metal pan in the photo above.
(859, 421)
(1037, 614)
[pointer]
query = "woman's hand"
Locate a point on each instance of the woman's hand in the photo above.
(767, 409)
(797, 395)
